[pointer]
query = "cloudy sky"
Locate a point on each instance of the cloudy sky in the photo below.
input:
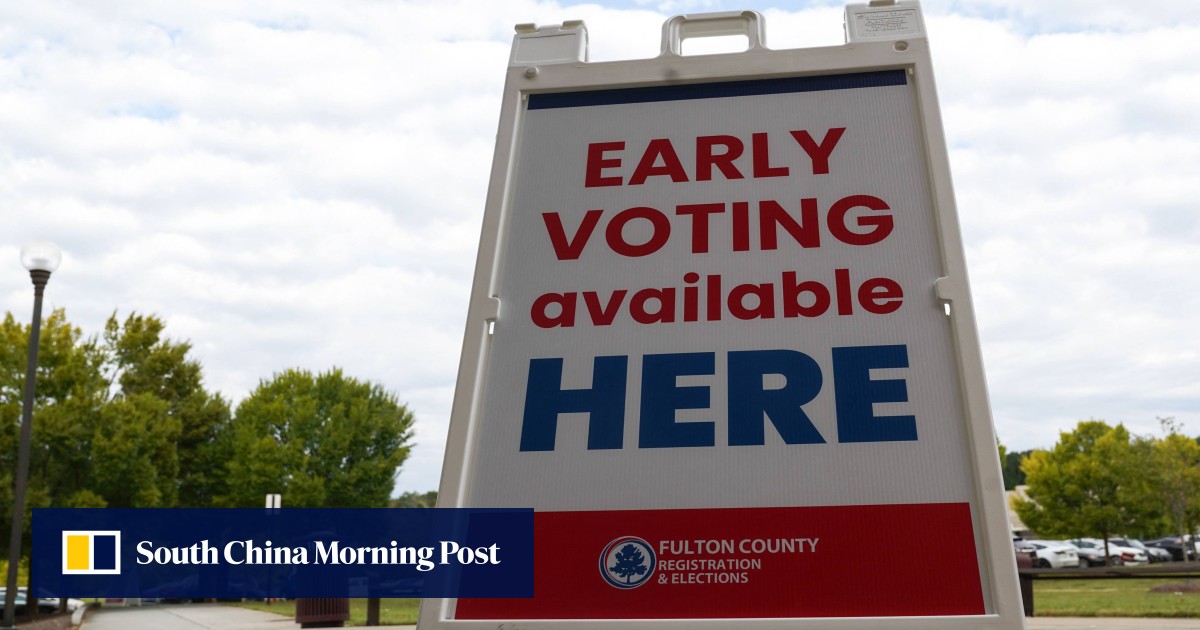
(301, 183)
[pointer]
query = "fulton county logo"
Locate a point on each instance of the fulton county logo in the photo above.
(627, 562)
(91, 553)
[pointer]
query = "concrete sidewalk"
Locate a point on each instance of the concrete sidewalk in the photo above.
(190, 617)
(185, 616)
(1109, 623)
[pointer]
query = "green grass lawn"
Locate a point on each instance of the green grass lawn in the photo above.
(391, 611)
(1111, 598)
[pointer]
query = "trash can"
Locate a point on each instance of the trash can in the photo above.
(322, 612)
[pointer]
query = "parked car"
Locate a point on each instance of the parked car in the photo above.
(1026, 554)
(1120, 554)
(45, 604)
(1089, 554)
(1153, 553)
(52, 603)
(1173, 545)
(1053, 554)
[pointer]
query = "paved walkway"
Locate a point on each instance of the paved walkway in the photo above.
(216, 616)
(191, 617)
(186, 617)
(1107, 623)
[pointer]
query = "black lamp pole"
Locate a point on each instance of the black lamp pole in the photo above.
(41, 259)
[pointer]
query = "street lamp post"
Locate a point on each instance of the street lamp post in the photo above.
(41, 258)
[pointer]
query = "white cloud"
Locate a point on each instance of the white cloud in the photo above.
(302, 184)
(1073, 15)
(1072, 156)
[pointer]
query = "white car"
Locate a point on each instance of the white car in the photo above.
(1153, 554)
(1089, 555)
(1053, 554)
(45, 604)
(52, 602)
(1120, 554)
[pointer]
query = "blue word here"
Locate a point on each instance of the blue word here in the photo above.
(751, 405)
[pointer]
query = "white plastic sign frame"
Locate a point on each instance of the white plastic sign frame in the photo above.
(538, 174)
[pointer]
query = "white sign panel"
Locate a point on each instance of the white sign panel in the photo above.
(723, 369)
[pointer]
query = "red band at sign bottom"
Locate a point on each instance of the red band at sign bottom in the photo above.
(839, 561)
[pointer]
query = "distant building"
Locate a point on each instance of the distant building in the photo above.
(1018, 528)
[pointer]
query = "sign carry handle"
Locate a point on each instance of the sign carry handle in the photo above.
(681, 27)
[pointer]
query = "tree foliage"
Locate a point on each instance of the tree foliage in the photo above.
(1011, 467)
(158, 371)
(1174, 474)
(120, 420)
(323, 440)
(1089, 484)
(1100, 481)
(415, 500)
(123, 419)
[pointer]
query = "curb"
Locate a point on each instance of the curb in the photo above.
(77, 616)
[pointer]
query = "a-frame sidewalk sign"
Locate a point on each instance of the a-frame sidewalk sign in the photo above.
(721, 340)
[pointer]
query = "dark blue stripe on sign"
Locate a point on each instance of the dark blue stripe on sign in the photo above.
(724, 89)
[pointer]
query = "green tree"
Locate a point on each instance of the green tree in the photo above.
(324, 440)
(142, 363)
(70, 391)
(415, 500)
(1089, 484)
(1175, 478)
(1011, 464)
(120, 420)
